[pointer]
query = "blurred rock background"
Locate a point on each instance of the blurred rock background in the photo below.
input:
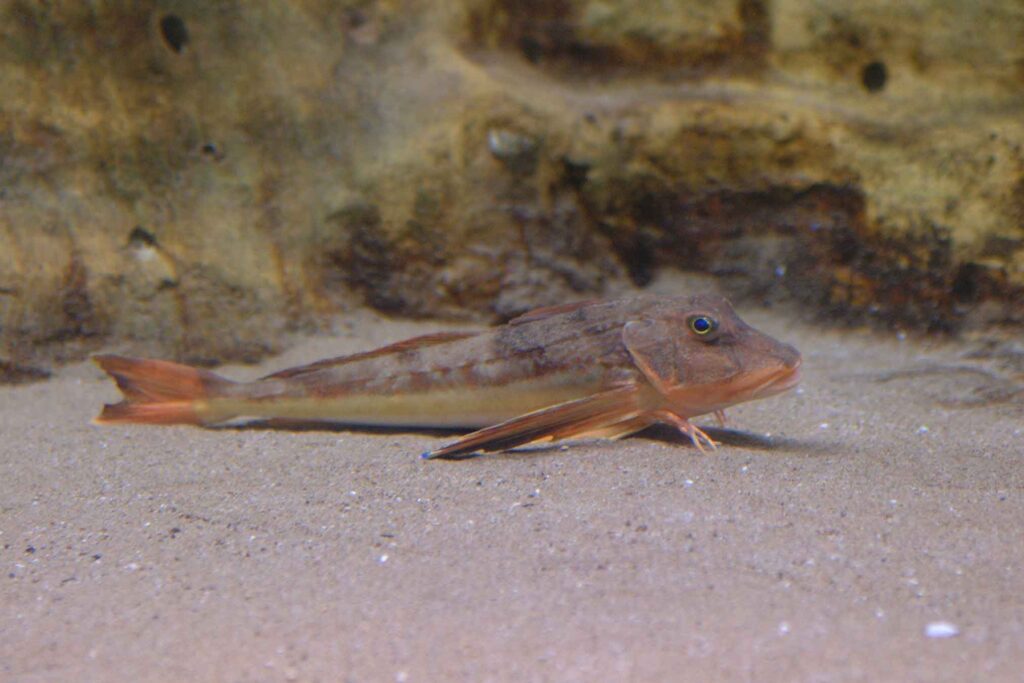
(197, 180)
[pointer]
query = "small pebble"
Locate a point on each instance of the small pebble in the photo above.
(941, 629)
(507, 144)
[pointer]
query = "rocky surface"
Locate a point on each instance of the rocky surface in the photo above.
(197, 180)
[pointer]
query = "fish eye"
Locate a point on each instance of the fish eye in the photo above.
(702, 324)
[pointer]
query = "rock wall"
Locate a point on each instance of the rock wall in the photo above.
(197, 179)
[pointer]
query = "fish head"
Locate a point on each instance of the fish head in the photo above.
(719, 360)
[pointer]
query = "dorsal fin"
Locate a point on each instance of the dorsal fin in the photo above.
(403, 346)
(548, 311)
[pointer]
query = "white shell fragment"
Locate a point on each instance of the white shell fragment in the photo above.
(941, 629)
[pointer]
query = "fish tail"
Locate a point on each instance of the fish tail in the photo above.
(159, 392)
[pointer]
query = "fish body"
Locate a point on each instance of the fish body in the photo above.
(597, 368)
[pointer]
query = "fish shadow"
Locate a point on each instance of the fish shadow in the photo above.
(734, 437)
(287, 425)
(669, 435)
(659, 433)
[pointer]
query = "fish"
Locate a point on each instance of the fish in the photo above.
(596, 368)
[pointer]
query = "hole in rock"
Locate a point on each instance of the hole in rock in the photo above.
(140, 237)
(174, 31)
(874, 76)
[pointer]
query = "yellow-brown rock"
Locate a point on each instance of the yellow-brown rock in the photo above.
(196, 179)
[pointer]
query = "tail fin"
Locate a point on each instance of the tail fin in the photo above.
(157, 392)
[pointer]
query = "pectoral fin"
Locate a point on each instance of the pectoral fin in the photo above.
(611, 413)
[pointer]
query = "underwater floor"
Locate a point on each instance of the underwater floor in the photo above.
(867, 526)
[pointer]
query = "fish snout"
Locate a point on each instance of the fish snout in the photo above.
(785, 369)
(789, 356)
(789, 376)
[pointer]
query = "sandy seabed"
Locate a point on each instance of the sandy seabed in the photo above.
(837, 535)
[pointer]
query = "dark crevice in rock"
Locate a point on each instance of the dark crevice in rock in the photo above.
(811, 245)
(140, 237)
(365, 260)
(874, 76)
(16, 373)
(174, 32)
(553, 35)
(79, 319)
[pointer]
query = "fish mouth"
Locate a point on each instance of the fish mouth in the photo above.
(747, 386)
(778, 381)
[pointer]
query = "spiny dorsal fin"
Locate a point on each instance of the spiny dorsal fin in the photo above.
(548, 311)
(403, 346)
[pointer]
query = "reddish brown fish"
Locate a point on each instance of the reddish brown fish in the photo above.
(596, 368)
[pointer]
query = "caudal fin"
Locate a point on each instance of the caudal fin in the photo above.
(157, 392)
